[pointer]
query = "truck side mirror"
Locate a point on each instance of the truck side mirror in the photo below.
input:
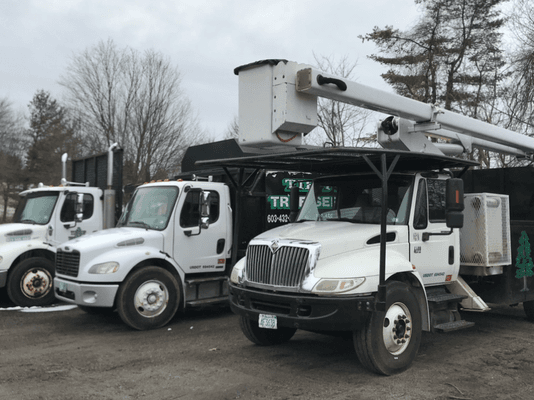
(205, 205)
(293, 203)
(454, 203)
(79, 208)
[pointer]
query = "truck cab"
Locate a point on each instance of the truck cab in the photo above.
(45, 217)
(169, 250)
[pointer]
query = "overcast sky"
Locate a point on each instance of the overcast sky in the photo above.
(205, 39)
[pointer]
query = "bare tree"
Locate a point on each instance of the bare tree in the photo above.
(136, 100)
(232, 131)
(340, 124)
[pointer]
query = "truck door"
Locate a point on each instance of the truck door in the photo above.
(435, 258)
(65, 227)
(196, 248)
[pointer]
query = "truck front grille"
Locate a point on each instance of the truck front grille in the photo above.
(285, 267)
(67, 263)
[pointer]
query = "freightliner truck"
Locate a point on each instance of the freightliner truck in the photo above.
(47, 216)
(387, 244)
(176, 241)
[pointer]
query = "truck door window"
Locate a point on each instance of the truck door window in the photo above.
(436, 200)
(68, 211)
(420, 218)
(190, 214)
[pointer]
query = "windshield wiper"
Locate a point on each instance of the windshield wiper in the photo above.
(31, 221)
(143, 224)
(342, 219)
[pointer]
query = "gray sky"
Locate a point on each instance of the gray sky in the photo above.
(205, 39)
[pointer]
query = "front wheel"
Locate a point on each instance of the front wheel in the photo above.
(148, 299)
(262, 336)
(389, 342)
(31, 282)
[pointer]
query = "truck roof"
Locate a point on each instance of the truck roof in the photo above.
(338, 160)
(84, 189)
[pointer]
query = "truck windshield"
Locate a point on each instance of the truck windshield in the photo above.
(36, 208)
(150, 208)
(357, 199)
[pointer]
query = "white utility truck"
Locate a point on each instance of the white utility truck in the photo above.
(176, 242)
(382, 247)
(46, 217)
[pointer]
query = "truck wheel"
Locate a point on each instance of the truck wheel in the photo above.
(528, 306)
(148, 299)
(31, 283)
(390, 340)
(262, 336)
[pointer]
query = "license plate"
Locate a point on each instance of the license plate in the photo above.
(267, 321)
(62, 286)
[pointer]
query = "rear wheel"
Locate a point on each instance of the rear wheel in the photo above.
(148, 299)
(31, 282)
(390, 340)
(262, 336)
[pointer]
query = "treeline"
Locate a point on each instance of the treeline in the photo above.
(455, 55)
(112, 96)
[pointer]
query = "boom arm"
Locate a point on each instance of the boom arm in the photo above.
(301, 85)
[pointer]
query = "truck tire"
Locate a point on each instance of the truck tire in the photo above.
(31, 282)
(148, 299)
(262, 336)
(389, 342)
(528, 306)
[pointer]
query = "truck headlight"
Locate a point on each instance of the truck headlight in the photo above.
(331, 286)
(104, 268)
(237, 272)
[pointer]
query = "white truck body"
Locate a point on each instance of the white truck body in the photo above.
(395, 270)
(182, 249)
(45, 219)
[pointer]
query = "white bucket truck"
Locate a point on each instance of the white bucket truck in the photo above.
(175, 244)
(377, 248)
(46, 217)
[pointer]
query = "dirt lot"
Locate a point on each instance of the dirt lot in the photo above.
(67, 354)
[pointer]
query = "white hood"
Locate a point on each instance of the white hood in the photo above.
(335, 237)
(10, 233)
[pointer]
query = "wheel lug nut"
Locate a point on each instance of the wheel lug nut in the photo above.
(408, 328)
(407, 336)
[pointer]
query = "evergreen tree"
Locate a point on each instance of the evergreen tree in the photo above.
(51, 134)
(451, 56)
(523, 260)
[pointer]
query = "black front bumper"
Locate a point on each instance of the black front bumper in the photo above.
(313, 313)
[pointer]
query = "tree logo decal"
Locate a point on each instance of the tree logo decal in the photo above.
(523, 261)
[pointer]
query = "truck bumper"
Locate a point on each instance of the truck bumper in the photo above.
(311, 313)
(85, 294)
(3, 278)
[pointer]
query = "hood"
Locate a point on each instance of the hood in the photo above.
(335, 237)
(21, 232)
(107, 239)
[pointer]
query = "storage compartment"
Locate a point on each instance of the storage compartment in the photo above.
(485, 237)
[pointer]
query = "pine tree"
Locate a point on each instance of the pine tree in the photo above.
(523, 261)
(51, 134)
(450, 56)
